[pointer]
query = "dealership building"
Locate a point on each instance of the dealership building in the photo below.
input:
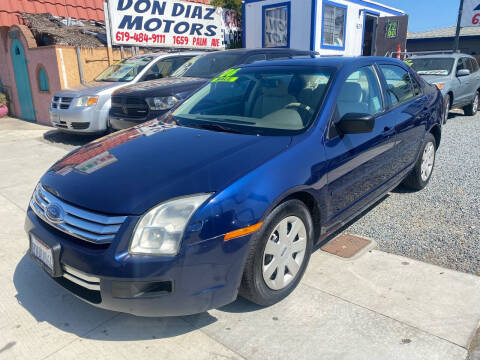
(337, 27)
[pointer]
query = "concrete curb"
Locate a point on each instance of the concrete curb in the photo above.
(474, 349)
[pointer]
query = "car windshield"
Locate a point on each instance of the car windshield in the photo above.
(432, 66)
(207, 66)
(256, 100)
(125, 70)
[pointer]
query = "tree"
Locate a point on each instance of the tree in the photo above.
(229, 4)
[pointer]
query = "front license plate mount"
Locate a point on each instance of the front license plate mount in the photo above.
(46, 254)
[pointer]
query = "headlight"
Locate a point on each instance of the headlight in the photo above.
(160, 230)
(84, 101)
(440, 86)
(161, 103)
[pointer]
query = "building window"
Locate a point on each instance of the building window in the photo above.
(334, 25)
(42, 79)
(276, 25)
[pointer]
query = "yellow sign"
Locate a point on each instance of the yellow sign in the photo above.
(227, 76)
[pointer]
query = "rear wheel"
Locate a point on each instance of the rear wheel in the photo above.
(446, 108)
(472, 109)
(279, 254)
(422, 172)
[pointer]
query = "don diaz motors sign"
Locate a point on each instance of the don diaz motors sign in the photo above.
(471, 13)
(169, 23)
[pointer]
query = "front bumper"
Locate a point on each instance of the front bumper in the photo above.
(120, 123)
(204, 275)
(79, 119)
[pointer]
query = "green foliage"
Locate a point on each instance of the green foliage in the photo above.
(3, 99)
(229, 4)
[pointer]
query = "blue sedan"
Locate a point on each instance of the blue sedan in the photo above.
(228, 193)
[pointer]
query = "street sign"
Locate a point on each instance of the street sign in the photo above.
(470, 13)
(169, 23)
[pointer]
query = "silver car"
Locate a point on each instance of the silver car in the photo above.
(84, 109)
(456, 75)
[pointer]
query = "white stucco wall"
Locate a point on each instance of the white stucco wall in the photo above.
(300, 27)
(354, 28)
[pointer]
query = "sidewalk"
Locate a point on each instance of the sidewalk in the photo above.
(379, 306)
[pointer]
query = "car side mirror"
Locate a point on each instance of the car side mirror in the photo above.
(356, 123)
(463, 72)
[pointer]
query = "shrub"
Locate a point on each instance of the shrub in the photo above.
(3, 99)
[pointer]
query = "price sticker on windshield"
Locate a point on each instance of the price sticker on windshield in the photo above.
(227, 76)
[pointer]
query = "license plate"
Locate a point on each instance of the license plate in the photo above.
(41, 252)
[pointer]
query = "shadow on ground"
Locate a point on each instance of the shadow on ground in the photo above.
(73, 140)
(48, 302)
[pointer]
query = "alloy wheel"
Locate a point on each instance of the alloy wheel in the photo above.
(475, 104)
(284, 253)
(428, 159)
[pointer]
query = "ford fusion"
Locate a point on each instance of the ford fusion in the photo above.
(229, 192)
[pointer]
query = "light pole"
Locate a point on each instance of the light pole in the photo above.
(457, 35)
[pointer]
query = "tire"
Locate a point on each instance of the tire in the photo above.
(254, 285)
(472, 109)
(422, 172)
(447, 102)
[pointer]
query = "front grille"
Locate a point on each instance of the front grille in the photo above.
(59, 102)
(80, 125)
(129, 107)
(82, 224)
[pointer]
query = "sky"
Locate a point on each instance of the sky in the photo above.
(427, 14)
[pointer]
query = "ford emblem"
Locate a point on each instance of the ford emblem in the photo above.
(54, 213)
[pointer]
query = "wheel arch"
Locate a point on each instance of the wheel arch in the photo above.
(437, 134)
(310, 202)
(450, 93)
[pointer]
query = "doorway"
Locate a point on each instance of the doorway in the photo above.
(369, 34)
(22, 81)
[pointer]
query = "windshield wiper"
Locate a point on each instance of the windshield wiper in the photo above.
(216, 127)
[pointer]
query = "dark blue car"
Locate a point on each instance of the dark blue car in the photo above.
(228, 193)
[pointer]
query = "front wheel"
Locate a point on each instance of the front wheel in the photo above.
(279, 254)
(422, 172)
(472, 109)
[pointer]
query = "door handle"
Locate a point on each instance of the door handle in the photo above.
(387, 129)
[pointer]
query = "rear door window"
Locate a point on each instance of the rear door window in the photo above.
(399, 85)
(474, 65)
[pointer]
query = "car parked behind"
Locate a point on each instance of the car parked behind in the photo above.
(456, 75)
(84, 109)
(138, 103)
(230, 193)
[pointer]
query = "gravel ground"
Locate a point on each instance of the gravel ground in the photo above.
(440, 224)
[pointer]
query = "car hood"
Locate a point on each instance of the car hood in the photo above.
(133, 170)
(91, 88)
(431, 79)
(162, 87)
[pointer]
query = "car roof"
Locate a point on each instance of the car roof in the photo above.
(332, 61)
(263, 51)
(445, 56)
(164, 54)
